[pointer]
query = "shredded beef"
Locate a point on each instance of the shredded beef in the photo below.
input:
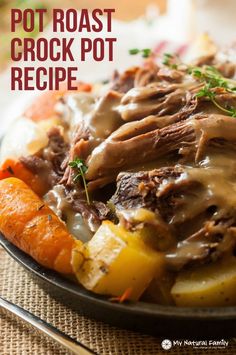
(139, 190)
(92, 213)
(202, 234)
(123, 83)
(48, 163)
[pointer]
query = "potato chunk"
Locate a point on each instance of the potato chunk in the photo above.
(116, 260)
(208, 285)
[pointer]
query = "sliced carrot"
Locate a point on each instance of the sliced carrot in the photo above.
(44, 106)
(27, 222)
(124, 297)
(14, 168)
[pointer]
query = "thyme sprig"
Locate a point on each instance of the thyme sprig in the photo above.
(212, 78)
(80, 169)
(208, 93)
(146, 52)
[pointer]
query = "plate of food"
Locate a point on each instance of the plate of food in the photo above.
(120, 197)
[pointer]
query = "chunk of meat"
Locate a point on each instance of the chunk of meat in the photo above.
(48, 163)
(128, 146)
(188, 206)
(159, 99)
(140, 190)
(141, 142)
(135, 77)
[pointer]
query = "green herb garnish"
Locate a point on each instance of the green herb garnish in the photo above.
(212, 78)
(146, 52)
(166, 58)
(80, 169)
(134, 51)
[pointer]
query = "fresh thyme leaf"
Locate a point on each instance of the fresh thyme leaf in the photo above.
(174, 66)
(205, 92)
(166, 58)
(80, 169)
(212, 78)
(146, 52)
(134, 51)
(168, 55)
(195, 72)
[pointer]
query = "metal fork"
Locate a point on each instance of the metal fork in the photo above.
(47, 329)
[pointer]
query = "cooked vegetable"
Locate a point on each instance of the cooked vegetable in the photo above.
(117, 260)
(25, 137)
(14, 168)
(208, 285)
(153, 230)
(44, 107)
(32, 226)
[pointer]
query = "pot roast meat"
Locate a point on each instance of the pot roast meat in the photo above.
(135, 77)
(200, 215)
(124, 82)
(92, 214)
(48, 163)
(118, 152)
(211, 242)
(105, 118)
(162, 191)
(146, 74)
(176, 192)
(92, 127)
(56, 151)
(159, 99)
(139, 190)
(171, 75)
(141, 142)
(66, 203)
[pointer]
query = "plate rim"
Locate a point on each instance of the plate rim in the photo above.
(136, 308)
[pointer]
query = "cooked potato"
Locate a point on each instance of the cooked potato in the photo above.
(117, 260)
(23, 138)
(208, 285)
(154, 232)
